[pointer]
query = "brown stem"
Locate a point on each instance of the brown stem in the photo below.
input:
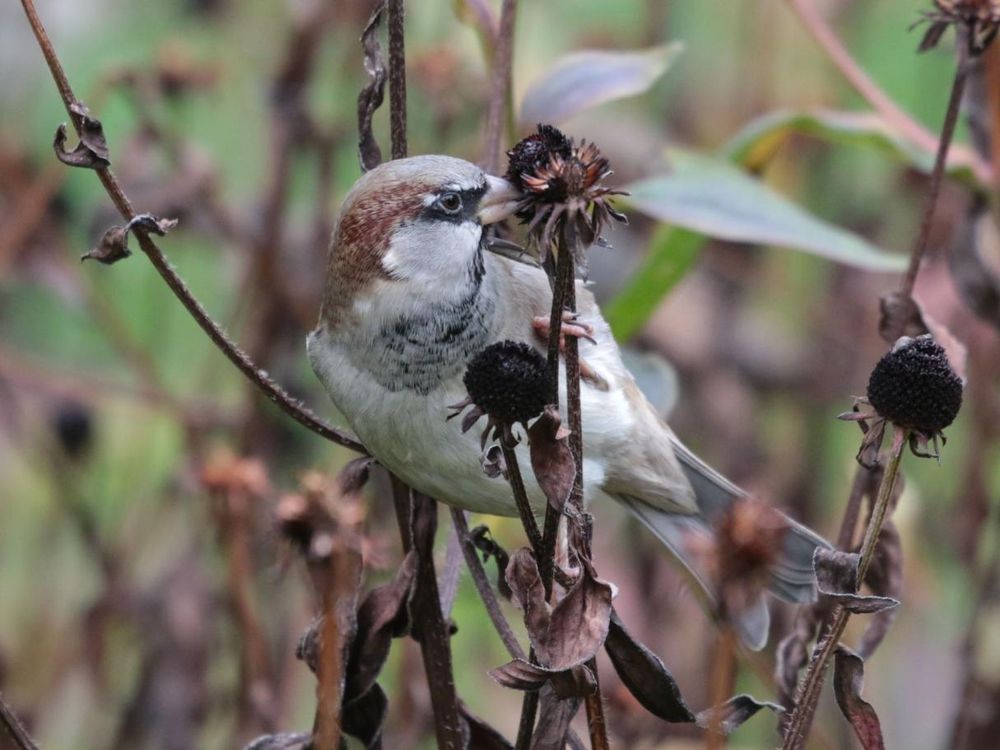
(397, 79)
(722, 684)
(521, 496)
(797, 731)
(14, 728)
(482, 584)
(947, 133)
(237, 356)
(500, 85)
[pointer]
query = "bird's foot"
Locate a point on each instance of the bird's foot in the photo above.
(571, 326)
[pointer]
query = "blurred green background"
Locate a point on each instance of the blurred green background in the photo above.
(120, 622)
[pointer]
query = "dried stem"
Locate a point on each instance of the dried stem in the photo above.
(723, 674)
(397, 79)
(816, 25)
(14, 728)
(521, 496)
(797, 730)
(500, 86)
(947, 133)
(237, 356)
(482, 584)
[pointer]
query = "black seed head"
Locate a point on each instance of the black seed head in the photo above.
(509, 381)
(535, 151)
(914, 386)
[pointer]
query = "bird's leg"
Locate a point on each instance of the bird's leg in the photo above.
(571, 326)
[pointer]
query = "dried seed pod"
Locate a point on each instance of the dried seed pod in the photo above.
(915, 387)
(509, 382)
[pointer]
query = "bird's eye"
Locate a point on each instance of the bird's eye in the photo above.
(450, 202)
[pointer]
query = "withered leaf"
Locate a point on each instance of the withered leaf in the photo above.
(933, 35)
(482, 736)
(282, 741)
(554, 717)
(371, 96)
(792, 653)
(733, 713)
(354, 475)
(364, 716)
(520, 674)
(578, 625)
(974, 262)
(577, 682)
(848, 680)
(112, 247)
(885, 579)
(837, 578)
(551, 459)
(528, 594)
(485, 543)
(904, 316)
(150, 223)
(645, 675)
(383, 615)
(92, 150)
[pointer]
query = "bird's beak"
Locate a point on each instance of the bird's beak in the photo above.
(499, 201)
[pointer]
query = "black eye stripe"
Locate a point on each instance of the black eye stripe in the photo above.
(469, 198)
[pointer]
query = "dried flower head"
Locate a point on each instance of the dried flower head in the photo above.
(914, 387)
(748, 538)
(509, 383)
(979, 20)
(564, 197)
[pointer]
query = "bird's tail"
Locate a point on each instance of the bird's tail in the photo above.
(791, 573)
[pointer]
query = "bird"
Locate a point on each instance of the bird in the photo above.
(412, 293)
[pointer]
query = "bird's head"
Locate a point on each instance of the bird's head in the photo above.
(417, 220)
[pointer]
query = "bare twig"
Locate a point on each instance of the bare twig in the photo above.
(500, 86)
(521, 497)
(797, 730)
(816, 25)
(947, 133)
(397, 79)
(237, 356)
(14, 728)
(483, 586)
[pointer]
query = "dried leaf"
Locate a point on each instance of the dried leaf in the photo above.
(848, 680)
(733, 713)
(382, 616)
(150, 223)
(792, 652)
(283, 741)
(837, 578)
(905, 316)
(485, 543)
(528, 594)
(482, 736)
(92, 150)
(520, 674)
(933, 35)
(577, 682)
(884, 578)
(112, 248)
(364, 717)
(578, 625)
(645, 675)
(371, 96)
(554, 717)
(551, 459)
(974, 263)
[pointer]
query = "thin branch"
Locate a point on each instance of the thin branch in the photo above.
(482, 584)
(797, 731)
(947, 133)
(500, 86)
(237, 356)
(521, 496)
(908, 127)
(397, 79)
(14, 728)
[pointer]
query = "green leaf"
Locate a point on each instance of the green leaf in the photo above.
(671, 254)
(710, 196)
(756, 143)
(582, 80)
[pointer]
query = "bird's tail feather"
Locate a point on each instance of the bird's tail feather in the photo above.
(792, 577)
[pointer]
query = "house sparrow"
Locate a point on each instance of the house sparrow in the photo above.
(412, 294)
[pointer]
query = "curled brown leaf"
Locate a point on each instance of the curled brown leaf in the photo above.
(727, 717)
(848, 680)
(837, 578)
(371, 96)
(551, 458)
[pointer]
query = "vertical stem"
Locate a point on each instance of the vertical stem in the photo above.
(14, 728)
(722, 684)
(947, 133)
(797, 731)
(397, 79)
(521, 496)
(500, 85)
